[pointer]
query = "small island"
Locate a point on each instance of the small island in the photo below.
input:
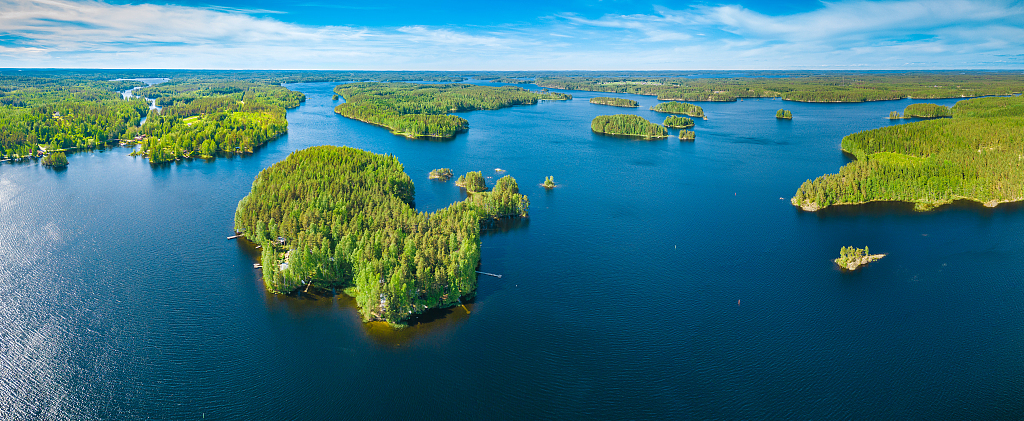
(443, 174)
(783, 115)
(628, 125)
(337, 218)
(614, 102)
(683, 108)
(851, 258)
(56, 160)
(975, 155)
(473, 182)
(549, 182)
(687, 135)
(924, 111)
(677, 122)
(546, 95)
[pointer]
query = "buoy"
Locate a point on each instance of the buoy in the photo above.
(737, 303)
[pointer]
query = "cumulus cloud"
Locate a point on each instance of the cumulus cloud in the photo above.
(858, 33)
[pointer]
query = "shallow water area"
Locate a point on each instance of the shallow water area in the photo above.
(658, 280)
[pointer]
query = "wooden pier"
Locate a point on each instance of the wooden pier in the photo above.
(235, 236)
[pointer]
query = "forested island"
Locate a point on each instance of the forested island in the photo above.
(443, 174)
(56, 159)
(798, 86)
(417, 111)
(677, 122)
(615, 102)
(922, 111)
(628, 125)
(784, 114)
(341, 218)
(851, 258)
(688, 135)
(546, 95)
(684, 108)
(473, 182)
(976, 155)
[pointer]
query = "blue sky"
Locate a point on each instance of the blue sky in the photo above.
(523, 35)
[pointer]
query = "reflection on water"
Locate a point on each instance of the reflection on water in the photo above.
(889, 209)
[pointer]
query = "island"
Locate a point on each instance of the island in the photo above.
(362, 235)
(421, 111)
(677, 122)
(926, 111)
(549, 182)
(683, 108)
(783, 115)
(851, 258)
(975, 156)
(473, 182)
(443, 174)
(614, 102)
(688, 135)
(628, 125)
(56, 159)
(546, 95)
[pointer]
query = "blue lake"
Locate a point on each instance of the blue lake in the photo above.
(658, 280)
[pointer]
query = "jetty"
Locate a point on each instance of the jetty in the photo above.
(489, 274)
(235, 236)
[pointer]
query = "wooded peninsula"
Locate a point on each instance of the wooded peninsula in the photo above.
(342, 218)
(628, 125)
(421, 111)
(202, 116)
(615, 102)
(976, 155)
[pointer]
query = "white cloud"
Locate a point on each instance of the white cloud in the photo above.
(878, 34)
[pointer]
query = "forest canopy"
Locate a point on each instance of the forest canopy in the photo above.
(415, 111)
(338, 217)
(679, 108)
(976, 155)
(797, 86)
(678, 122)
(628, 125)
(615, 102)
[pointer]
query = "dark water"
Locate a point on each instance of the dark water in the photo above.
(659, 280)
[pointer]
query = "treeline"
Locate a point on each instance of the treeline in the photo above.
(679, 108)
(615, 102)
(678, 122)
(204, 119)
(416, 111)
(976, 155)
(63, 112)
(546, 95)
(345, 220)
(801, 86)
(926, 111)
(627, 125)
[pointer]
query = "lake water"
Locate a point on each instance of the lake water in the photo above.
(659, 280)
